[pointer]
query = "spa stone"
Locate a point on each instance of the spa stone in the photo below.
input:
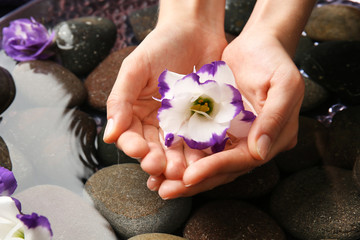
(4, 155)
(7, 89)
(84, 42)
(101, 80)
(120, 194)
(231, 219)
(334, 22)
(318, 203)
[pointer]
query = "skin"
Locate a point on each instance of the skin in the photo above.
(191, 33)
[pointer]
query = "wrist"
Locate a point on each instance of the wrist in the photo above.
(284, 20)
(199, 13)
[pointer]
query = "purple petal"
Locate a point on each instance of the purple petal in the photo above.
(215, 139)
(169, 139)
(8, 182)
(33, 221)
(17, 203)
(212, 68)
(163, 86)
(248, 116)
(218, 147)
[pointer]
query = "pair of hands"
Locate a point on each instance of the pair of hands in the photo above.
(265, 74)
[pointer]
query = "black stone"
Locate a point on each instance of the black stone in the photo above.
(318, 203)
(109, 154)
(343, 148)
(84, 42)
(230, 219)
(4, 155)
(7, 89)
(336, 66)
(237, 12)
(309, 149)
(314, 96)
(143, 21)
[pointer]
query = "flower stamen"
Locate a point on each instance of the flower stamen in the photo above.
(202, 105)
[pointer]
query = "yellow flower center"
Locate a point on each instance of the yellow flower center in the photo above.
(202, 104)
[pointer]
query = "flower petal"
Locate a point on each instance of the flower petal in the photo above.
(8, 220)
(167, 80)
(37, 227)
(217, 71)
(200, 132)
(8, 182)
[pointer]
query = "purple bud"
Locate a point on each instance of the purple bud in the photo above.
(8, 182)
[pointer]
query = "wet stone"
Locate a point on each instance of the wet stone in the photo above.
(7, 89)
(84, 42)
(309, 149)
(237, 12)
(334, 22)
(101, 80)
(156, 236)
(143, 21)
(46, 83)
(336, 66)
(70, 216)
(314, 96)
(4, 155)
(120, 194)
(343, 148)
(109, 154)
(356, 173)
(304, 45)
(230, 219)
(257, 183)
(318, 203)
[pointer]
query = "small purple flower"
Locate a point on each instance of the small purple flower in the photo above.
(8, 182)
(27, 39)
(202, 107)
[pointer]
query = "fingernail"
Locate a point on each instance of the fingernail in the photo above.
(108, 128)
(263, 146)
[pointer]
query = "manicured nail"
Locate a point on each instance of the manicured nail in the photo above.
(108, 128)
(263, 146)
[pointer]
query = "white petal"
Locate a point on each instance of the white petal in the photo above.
(219, 71)
(238, 128)
(8, 219)
(168, 78)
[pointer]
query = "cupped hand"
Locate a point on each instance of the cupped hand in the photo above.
(131, 110)
(268, 78)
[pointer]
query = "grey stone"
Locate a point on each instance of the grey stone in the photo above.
(46, 83)
(84, 42)
(7, 89)
(4, 155)
(120, 194)
(318, 203)
(334, 22)
(143, 21)
(70, 216)
(230, 219)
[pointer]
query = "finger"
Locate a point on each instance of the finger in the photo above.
(122, 97)
(176, 164)
(154, 182)
(132, 141)
(283, 100)
(192, 155)
(170, 189)
(237, 160)
(154, 163)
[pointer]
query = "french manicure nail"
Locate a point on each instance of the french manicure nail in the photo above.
(263, 146)
(109, 127)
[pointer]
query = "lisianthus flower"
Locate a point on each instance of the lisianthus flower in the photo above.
(15, 226)
(203, 107)
(8, 182)
(26, 39)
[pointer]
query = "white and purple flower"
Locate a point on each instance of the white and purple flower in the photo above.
(203, 107)
(26, 39)
(13, 224)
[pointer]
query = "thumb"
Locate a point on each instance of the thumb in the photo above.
(275, 128)
(121, 100)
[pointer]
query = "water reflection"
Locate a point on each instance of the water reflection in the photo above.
(48, 142)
